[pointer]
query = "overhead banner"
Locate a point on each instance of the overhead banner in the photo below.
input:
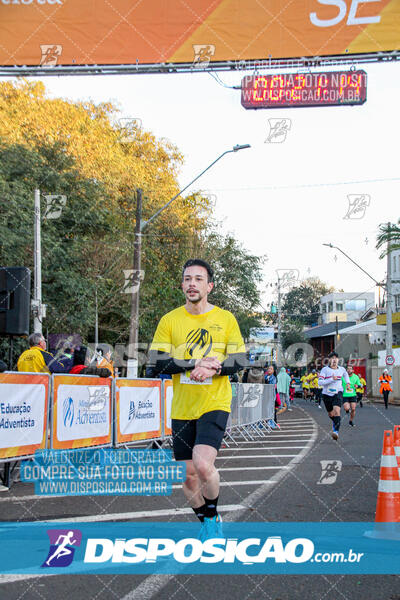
(81, 415)
(23, 413)
(138, 409)
(73, 32)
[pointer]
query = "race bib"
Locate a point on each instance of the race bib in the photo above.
(186, 380)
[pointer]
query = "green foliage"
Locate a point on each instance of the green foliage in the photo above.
(388, 233)
(292, 333)
(301, 304)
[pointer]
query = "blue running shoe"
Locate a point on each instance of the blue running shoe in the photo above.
(212, 528)
(335, 434)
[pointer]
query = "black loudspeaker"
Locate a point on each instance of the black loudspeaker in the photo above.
(15, 293)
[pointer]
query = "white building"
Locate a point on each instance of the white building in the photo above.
(346, 306)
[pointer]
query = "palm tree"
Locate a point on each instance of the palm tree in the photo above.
(388, 232)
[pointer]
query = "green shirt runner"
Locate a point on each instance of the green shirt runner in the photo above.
(354, 382)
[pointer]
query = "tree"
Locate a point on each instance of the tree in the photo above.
(301, 304)
(388, 233)
(293, 334)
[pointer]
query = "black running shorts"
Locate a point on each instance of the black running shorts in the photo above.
(359, 396)
(331, 401)
(349, 399)
(208, 429)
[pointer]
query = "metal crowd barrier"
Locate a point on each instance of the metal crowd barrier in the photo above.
(39, 411)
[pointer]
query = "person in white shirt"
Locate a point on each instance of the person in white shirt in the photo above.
(330, 378)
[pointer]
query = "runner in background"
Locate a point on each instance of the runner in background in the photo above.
(305, 385)
(332, 390)
(318, 392)
(360, 389)
(350, 396)
(292, 388)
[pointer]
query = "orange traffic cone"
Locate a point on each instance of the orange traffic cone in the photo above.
(396, 443)
(387, 516)
(388, 503)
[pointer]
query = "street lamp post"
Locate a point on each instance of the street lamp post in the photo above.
(387, 286)
(140, 225)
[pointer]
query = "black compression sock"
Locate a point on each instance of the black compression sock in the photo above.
(347, 412)
(200, 512)
(210, 507)
(336, 422)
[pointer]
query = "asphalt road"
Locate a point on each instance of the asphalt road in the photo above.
(274, 478)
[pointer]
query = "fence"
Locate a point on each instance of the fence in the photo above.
(39, 411)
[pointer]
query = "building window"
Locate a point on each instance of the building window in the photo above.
(339, 306)
(356, 304)
(397, 302)
(323, 308)
(330, 306)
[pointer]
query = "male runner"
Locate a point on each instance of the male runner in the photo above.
(305, 385)
(331, 380)
(350, 397)
(200, 345)
(360, 390)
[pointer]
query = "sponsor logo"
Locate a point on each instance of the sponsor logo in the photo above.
(132, 411)
(189, 550)
(63, 543)
(68, 412)
(251, 395)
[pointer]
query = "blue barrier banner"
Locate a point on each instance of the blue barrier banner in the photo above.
(103, 472)
(249, 547)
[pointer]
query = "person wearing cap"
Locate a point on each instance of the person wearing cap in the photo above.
(38, 360)
(332, 391)
(385, 380)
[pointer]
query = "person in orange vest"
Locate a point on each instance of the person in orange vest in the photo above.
(385, 380)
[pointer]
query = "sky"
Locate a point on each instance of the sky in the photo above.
(282, 200)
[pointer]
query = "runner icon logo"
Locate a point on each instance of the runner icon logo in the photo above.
(330, 470)
(63, 543)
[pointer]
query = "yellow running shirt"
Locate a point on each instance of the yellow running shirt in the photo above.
(185, 336)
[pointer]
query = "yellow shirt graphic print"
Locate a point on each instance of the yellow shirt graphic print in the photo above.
(185, 336)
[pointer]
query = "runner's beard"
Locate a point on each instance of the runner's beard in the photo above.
(194, 299)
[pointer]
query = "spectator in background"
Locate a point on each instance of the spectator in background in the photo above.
(270, 378)
(292, 387)
(38, 360)
(104, 359)
(81, 366)
(283, 384)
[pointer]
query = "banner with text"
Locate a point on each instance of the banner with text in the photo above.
(138, 409)
(23, 413)
(61, 32)
(81, 415)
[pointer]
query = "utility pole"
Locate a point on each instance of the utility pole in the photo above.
(389, 330)
(38, 313)
(279, 353)
(134, 321)
(96, 325)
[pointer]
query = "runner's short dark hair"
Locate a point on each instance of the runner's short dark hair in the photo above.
(332, 354)
(198, 262)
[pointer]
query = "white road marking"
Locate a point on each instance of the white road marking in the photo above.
(246, 456)
(140, 514)
(263, 448)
